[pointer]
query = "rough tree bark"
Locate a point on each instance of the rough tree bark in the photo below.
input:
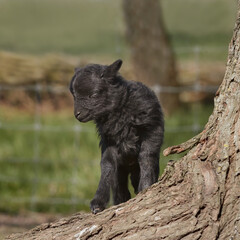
(152, 55)
(197, 197)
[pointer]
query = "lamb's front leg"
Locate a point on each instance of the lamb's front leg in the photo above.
(102, 195)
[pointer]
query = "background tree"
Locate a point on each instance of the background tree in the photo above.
(197, 197)
(152, 55)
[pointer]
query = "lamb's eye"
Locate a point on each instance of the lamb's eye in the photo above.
(102, 75)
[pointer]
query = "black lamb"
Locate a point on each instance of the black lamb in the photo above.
(130, 124)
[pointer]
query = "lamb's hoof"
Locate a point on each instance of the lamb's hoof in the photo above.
(96, 207)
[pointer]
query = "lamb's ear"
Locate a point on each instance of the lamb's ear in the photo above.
(112, 69)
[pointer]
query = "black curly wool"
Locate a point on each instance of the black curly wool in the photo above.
(130, 124)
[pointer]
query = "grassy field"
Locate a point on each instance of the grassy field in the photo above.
(56, 168)
(72, 27)
(93, 27)
(206, 23)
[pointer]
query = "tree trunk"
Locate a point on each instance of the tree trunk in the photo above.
(151, 53)
(197, 197)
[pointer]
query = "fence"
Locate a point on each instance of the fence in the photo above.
(37, 128)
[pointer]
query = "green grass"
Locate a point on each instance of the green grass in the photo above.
(73, 27)
(202, 22)
(97, 27)
(63, 164)
(207, 24)
(45, 164)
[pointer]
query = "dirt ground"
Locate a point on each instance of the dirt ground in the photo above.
(19, 223)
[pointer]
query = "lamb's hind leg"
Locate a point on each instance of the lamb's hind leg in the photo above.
(120, 186)
(149, 164)
(135, 177)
